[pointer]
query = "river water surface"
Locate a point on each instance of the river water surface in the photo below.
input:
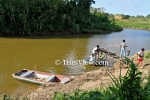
(41, 53)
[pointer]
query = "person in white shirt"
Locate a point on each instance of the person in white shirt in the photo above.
(96, 50)
(123, 49)
(140, 56)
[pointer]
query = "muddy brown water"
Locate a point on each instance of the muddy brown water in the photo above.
(41, 54)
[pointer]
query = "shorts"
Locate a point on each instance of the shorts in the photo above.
(140, 60)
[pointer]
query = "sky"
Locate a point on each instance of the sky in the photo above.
(126, 7)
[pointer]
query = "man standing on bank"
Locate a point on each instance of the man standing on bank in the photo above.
(123, 49)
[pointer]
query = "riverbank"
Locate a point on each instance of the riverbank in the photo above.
(58, 33)
(87, 81)
(134, 23)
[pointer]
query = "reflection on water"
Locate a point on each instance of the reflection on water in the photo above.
(40, 54)
(71, 65)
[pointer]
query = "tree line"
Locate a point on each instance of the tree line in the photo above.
(128, 16)
(39, 17)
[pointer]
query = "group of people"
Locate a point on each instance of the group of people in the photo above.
(97, 54)
(140, 54)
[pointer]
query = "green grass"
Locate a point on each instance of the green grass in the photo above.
(134, 23)
(147, 55)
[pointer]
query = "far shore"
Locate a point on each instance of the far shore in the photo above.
(133, 23)
(49, 34)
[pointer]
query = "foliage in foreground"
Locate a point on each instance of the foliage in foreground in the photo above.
(129, 87)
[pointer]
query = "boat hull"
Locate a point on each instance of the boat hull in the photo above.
(28, 80)
(37, 77)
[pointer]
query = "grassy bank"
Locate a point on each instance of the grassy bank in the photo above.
(137, 23)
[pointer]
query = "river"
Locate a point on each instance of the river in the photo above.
(40, 53)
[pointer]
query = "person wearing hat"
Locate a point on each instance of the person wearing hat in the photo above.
(140, 56)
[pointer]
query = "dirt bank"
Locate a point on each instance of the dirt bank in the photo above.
(86, 81)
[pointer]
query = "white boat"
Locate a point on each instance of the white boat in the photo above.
(38, 77)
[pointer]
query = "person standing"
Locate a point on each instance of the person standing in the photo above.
(141, 57)
(123, 49)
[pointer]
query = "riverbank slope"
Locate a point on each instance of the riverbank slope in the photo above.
(87, 81)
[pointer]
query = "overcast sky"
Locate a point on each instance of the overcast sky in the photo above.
(127, 7)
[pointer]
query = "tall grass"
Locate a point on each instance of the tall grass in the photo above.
(128, 87)
(6, 98)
